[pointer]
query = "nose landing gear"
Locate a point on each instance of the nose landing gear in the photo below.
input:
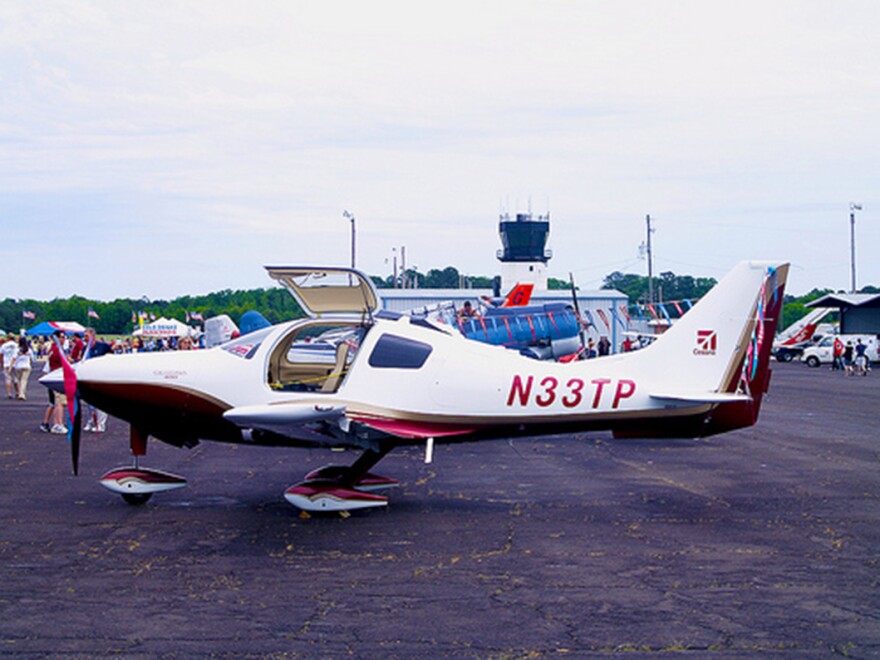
(137, 484)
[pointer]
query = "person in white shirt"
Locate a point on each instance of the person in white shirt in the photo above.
(8, 352)
(21, 367)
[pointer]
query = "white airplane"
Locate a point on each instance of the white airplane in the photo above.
(791, 342)
(401, 381)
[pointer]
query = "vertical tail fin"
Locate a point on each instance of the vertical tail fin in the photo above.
(804, 329)
(723, 344)
(519, 296)
(754, 378)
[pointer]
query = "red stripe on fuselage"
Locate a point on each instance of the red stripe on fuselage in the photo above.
(167, 411)
(414, 429)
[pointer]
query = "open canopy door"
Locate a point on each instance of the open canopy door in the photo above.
(328, 291)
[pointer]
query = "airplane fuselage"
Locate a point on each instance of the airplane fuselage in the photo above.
(351, 379)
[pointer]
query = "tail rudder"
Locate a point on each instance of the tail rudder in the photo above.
(712, 365)
(753, 370)
(519, 296)
(704, 346)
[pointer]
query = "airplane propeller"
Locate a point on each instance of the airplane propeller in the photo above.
(74, 409)
(74, 432)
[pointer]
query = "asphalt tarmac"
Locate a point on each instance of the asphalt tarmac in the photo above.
(758, 541)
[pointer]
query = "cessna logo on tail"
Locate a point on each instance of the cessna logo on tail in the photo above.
(707, 342)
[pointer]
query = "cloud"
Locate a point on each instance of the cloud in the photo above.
(239, 132)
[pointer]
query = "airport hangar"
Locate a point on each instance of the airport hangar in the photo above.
(859, 312)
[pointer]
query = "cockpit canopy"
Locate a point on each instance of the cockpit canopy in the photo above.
(328, 291)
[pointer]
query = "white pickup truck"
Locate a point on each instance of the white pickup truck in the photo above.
(823, 352)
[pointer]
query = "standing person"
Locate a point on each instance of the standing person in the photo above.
(848, 358)
(58, 399)
(861, 358)
(97, 419)
(21, 368)
(77, 349)
(837, 361)
(604, 346)
(8, 353)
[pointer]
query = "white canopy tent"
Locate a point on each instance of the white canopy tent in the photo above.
(165, 328)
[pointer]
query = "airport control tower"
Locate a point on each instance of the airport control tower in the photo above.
(524, 256)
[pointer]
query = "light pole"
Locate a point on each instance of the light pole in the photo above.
(650, 262)
(853, 207)
(350, 216)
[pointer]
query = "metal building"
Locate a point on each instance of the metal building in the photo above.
(859, 312)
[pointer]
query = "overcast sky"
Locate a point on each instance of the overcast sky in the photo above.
(162, 149)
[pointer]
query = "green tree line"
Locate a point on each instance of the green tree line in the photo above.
(447, 278)
(668, 286)
(115, 317)
(277, 305)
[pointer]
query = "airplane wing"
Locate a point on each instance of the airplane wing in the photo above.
(282, 418)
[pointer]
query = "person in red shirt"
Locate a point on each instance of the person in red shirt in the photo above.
(57, 401)
(76, 349)
(837, 361)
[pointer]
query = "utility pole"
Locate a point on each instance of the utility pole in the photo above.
(350, 216)
(650, 264)
(853, 207)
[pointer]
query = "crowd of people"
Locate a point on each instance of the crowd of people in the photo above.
(20, 355)
(851, 359)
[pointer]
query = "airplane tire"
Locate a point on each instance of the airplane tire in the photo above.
(813, 361)
(136, 499)
(785, 356)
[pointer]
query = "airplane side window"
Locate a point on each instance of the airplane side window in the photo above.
(393, 352)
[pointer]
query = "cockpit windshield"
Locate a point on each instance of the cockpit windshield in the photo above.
(247, 345)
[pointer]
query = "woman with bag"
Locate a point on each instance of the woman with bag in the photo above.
(21, 367)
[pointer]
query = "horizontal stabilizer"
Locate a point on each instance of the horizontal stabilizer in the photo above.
(702, 397)
(281, 418)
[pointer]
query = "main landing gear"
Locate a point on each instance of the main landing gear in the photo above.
(342, 488)
(330, 488)
(137, 484)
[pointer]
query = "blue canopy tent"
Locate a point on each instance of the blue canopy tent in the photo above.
(46, 328)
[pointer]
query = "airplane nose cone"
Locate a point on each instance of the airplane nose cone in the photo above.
(54, 380)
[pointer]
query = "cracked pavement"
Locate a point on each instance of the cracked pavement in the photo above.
(761, 540)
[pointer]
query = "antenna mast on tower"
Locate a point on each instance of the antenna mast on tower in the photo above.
(650, 262)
